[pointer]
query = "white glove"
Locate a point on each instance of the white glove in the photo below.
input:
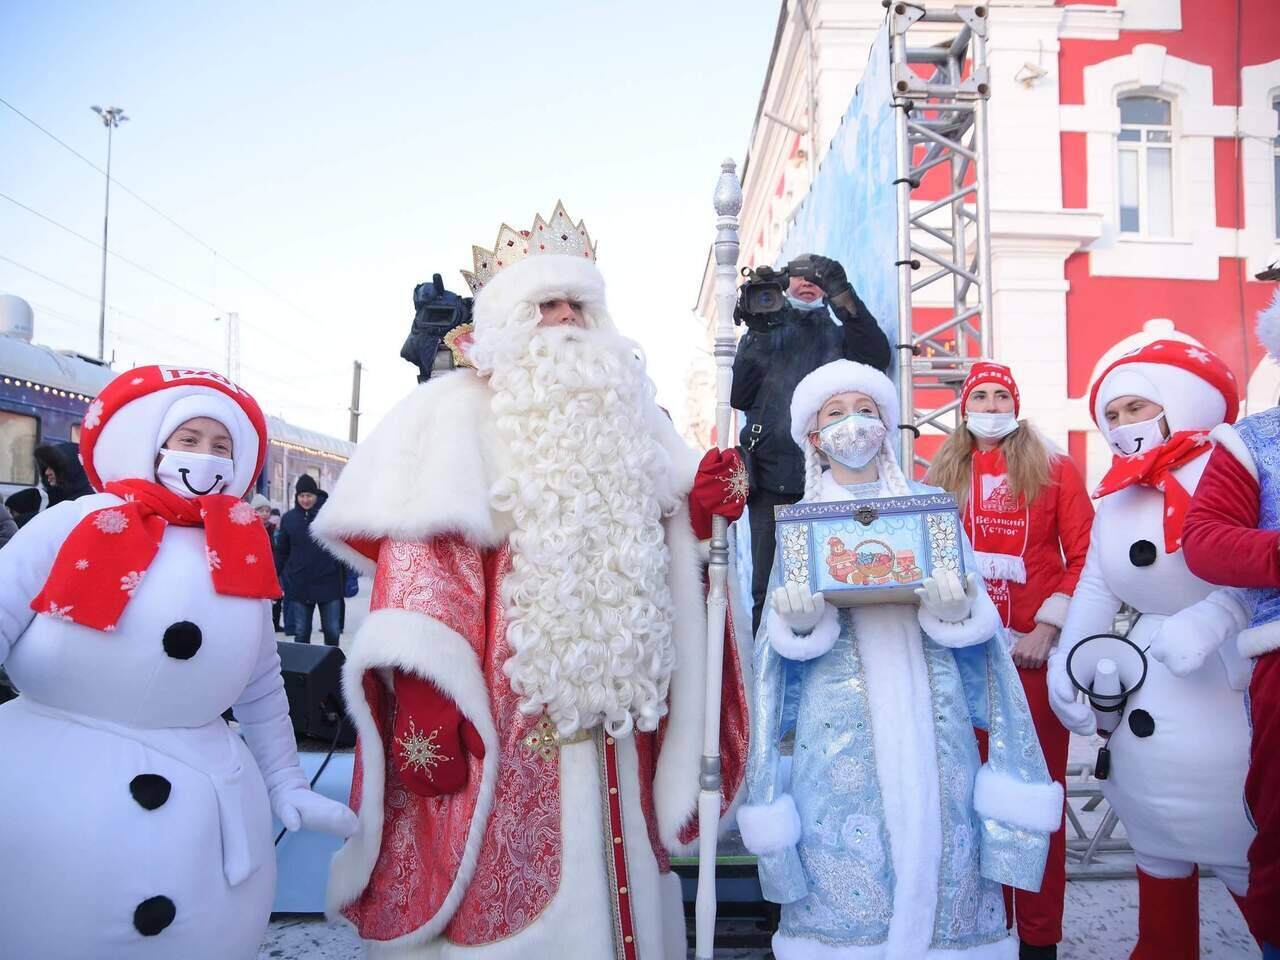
(1186, 639)
(1075, 716)
(945, 598)
(799, 609)
(297, 807)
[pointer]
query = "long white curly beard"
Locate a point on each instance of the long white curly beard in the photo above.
(588, 606)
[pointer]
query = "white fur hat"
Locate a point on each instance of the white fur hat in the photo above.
(841, 376)
(506, 313)
(1269, 326)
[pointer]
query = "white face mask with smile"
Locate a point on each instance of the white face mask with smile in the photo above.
(1133, 439)
(193, 474)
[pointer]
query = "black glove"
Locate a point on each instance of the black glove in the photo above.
(823, 271)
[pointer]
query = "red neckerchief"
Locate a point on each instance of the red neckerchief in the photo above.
(106, 556)
(998, 523)
(1155, 469)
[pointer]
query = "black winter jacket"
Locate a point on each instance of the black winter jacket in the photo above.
(64, 459)
(771, 362)
(308, 572)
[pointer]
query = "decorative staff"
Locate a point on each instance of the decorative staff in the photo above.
(728, 202)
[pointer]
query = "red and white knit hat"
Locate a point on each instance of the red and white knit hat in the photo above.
(988, 372)
(129, 421)
(1196, 388)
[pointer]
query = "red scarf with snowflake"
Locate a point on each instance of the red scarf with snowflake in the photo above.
(1155, 469)
(105, 558)
(997, 523)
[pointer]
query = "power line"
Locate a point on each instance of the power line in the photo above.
(121, 257)
(164, 216)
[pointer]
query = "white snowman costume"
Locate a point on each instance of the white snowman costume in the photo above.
(1181, 750)
(134, 823)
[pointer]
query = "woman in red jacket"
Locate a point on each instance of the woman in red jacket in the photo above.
(1028, 516)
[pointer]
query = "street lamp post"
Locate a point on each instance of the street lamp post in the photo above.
(111, 118)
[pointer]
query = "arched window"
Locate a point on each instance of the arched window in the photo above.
(1146, 166)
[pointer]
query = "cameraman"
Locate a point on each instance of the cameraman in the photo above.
(777, 352)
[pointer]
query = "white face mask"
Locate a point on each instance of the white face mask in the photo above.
(798, 304)
(991, 426)
(1135, 438)
(193, 474)
(852, 441)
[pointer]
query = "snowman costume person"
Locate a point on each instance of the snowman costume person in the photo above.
(133, 822)
(1181, 749)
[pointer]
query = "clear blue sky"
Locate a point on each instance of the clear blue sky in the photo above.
(341, 153)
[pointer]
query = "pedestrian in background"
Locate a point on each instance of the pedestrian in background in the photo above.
(7, 527)
(313, 577)
(24, 505)
(60, 472)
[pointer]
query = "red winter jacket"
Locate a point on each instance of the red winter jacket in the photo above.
(1059, 522)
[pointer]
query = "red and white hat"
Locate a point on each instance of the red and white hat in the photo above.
(1196, 388)
(129, 421)
(988, 372)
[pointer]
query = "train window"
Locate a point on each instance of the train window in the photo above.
(18, 437)
(75, 432)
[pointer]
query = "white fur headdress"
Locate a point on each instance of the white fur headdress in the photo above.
(1269, 326)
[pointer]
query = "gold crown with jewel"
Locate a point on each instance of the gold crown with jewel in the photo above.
(559, 234)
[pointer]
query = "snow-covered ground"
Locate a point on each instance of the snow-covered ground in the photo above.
(1100, 924)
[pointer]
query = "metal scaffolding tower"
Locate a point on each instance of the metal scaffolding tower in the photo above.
(940, 93)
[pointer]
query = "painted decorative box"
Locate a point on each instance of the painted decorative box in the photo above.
(869, 551)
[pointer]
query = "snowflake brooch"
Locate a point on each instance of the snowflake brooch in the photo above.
(737, 485)
(421, 752)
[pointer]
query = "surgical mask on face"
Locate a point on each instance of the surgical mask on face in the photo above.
(852, 441)
(991, 426)
(193, 474)
(798, 304)
(1135, 438)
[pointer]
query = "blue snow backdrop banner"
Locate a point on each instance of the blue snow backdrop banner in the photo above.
(851, 210)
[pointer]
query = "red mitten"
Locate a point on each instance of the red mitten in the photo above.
(431, 738)
(719, 489)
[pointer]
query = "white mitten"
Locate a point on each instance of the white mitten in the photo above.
(1075, 716)
(300, 806)
(1186, 639)
(797, 608)
(944, 597)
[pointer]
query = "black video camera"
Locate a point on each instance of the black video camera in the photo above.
(765, 292)
(436, 312)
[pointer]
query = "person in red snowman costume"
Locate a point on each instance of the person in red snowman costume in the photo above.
(134, 823)
(1179, 753)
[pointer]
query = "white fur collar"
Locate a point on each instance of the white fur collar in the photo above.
(428, 466)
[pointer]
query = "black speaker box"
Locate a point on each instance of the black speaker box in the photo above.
(313, 683)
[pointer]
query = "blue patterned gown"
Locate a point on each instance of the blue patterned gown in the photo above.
(895, 858)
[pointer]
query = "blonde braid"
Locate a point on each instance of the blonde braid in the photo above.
(812, 473)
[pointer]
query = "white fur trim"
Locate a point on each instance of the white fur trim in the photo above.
(675, 779)
(906, 765)
(770, 827)
(841, 376)
(802, 948)
(1031, 806)
(425, 470)
(1054, 610)
(1258, 640)
(1226, 436)
(1269, 326)
(414, 642)
(982, 624)
(1001, 566)
(795, 646)
(130, 438)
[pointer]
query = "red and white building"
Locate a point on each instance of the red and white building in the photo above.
(1134, 152)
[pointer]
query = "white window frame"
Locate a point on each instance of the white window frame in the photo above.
(1142, 148)
(1192, 252)
(1260, 88)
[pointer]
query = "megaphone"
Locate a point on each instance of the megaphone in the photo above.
(1108, 669)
